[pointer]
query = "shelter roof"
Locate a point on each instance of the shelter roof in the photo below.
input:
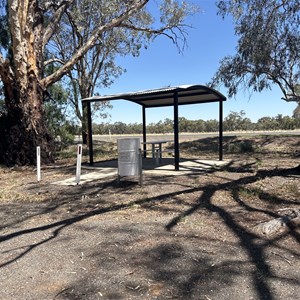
(187, 94)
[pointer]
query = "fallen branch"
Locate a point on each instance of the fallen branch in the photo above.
(292, 217)
(281, 256)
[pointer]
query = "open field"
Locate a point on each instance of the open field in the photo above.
(185, 236)
(194, 136)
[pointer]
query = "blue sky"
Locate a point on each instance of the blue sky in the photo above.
(210, 39)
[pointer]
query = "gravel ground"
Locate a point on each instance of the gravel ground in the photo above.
(177, 237)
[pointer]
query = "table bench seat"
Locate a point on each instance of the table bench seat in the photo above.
(157, 150)
(158, 154)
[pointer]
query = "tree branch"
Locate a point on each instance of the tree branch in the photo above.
(291, 98)
(49, 61)
(91, 42)
(74, 25)
(54, 21)
(160, 31)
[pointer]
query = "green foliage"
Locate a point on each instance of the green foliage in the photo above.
(235, 121)
(55, 109)
(293, 189)
(174, 12)
(98, 68)
(267, 49)
(245, 192)
(240, 147)
(102, 151)
(4, 32)
(277, 123)
(296, 113)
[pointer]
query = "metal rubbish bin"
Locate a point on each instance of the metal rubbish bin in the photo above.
(129, 158)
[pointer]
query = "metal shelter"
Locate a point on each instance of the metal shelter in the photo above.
(169, 96)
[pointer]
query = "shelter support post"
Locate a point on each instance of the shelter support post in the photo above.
(220, 130)
(176, 132)
(144, 132)
(90, 133)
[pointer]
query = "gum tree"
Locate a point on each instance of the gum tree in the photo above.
(29, 26)
(267, 50)
(268, 47)
(98, 68)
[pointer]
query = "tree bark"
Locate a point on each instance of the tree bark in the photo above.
(24, 127)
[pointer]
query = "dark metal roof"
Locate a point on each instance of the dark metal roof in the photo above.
(187, 94)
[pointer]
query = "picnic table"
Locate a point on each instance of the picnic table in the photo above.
(156, 149)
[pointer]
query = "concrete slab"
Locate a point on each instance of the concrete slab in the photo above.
(188, 167)
(90, 176)
(107, 169)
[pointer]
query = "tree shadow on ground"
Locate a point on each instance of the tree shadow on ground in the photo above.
(166, 264)
(248, 240)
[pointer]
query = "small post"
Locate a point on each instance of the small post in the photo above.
(78, 165)
(144, 132)
(140, 167)
(221, 130)
(38, 163)
(90, 133)
(176, 132)
(157, 156)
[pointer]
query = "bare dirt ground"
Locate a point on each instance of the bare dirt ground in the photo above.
(177, 237)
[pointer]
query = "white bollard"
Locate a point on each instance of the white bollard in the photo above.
(78, 165)
(38, 163)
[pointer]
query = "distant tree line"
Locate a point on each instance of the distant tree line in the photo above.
(235, 121)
